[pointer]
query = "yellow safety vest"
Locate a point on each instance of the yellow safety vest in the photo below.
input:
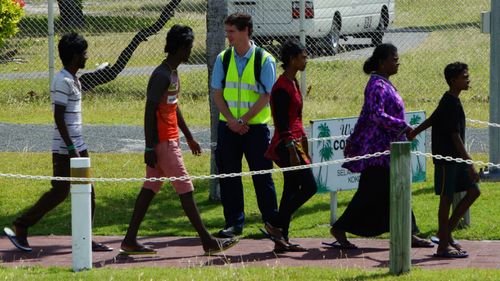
(241, 93)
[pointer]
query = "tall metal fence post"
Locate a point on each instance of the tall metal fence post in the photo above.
(216, 38)
(51, 32)
(400, 208)
(494, 133)
(302, 33)
(81, 224)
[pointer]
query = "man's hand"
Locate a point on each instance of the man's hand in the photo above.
(194, 146)
(73, 153)
(410, 134)
(473, 174)
(150, 158)
(237, 127)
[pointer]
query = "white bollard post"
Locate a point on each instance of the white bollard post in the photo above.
(81, 229)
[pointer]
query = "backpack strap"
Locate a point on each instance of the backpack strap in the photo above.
(226, 58)
(258, 64)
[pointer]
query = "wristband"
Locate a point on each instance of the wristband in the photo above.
(70, 147)
(147, 149)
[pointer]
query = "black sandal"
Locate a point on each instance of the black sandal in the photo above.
(137, 250)
(99, 247)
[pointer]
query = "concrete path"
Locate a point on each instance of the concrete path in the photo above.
(187, 252)
(125, 139)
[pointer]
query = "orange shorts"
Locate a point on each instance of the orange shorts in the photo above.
(169, 163)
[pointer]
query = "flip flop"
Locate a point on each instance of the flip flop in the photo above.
(455, 244)
(453, 254)
(15, 240)
(280, 242)
(341, 245)
(99, 247)
(140, 250)
(421, 243)
(295, 248)
(224, 244)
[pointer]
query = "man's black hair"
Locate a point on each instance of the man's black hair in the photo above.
(71, 44)
(179, 36)
(453, 70)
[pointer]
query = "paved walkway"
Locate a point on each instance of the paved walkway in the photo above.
(187, 252)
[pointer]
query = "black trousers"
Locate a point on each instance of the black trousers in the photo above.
(52, 198)
(229, 153)
(299, 186)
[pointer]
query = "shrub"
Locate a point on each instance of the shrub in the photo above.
(11, 12)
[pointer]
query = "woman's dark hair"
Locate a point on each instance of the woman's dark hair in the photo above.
(453, 70)
(71, 44)
(381, 53)
(240, 20)
(290, 49)
(179, 36)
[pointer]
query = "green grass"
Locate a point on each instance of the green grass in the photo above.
(254, 273)
(336, 87)
(428, 13)
(115, 201)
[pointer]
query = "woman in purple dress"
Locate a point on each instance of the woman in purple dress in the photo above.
(382, 121)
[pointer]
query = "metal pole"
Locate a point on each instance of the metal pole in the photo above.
(51, 42)
(400, 208)
(494, 133)
(302, 32)
(81, 222)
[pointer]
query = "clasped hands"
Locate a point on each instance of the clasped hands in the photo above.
(239, 128)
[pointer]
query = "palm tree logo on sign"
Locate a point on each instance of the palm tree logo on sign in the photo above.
(418, 172)
(326, 154)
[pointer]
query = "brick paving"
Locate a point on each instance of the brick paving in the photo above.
(187, 252)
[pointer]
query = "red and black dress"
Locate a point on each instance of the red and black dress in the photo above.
(299, 185)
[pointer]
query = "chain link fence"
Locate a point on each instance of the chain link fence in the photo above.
(340, 35)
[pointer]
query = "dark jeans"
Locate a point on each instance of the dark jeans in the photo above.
(53, 197)
(229, 153)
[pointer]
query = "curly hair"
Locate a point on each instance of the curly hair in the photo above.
(179, 36)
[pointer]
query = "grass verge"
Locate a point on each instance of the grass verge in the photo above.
(115, 201)
(231, 273)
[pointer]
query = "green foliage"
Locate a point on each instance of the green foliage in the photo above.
(11, 12)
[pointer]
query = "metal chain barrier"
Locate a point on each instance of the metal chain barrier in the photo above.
(458, 160)
(203, 177)
(484, 123)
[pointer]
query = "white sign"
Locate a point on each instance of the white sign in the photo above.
(334, 177)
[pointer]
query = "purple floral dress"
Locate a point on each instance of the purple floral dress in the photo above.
(381, 122)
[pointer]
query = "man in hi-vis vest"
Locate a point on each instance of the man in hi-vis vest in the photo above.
(243, 77)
